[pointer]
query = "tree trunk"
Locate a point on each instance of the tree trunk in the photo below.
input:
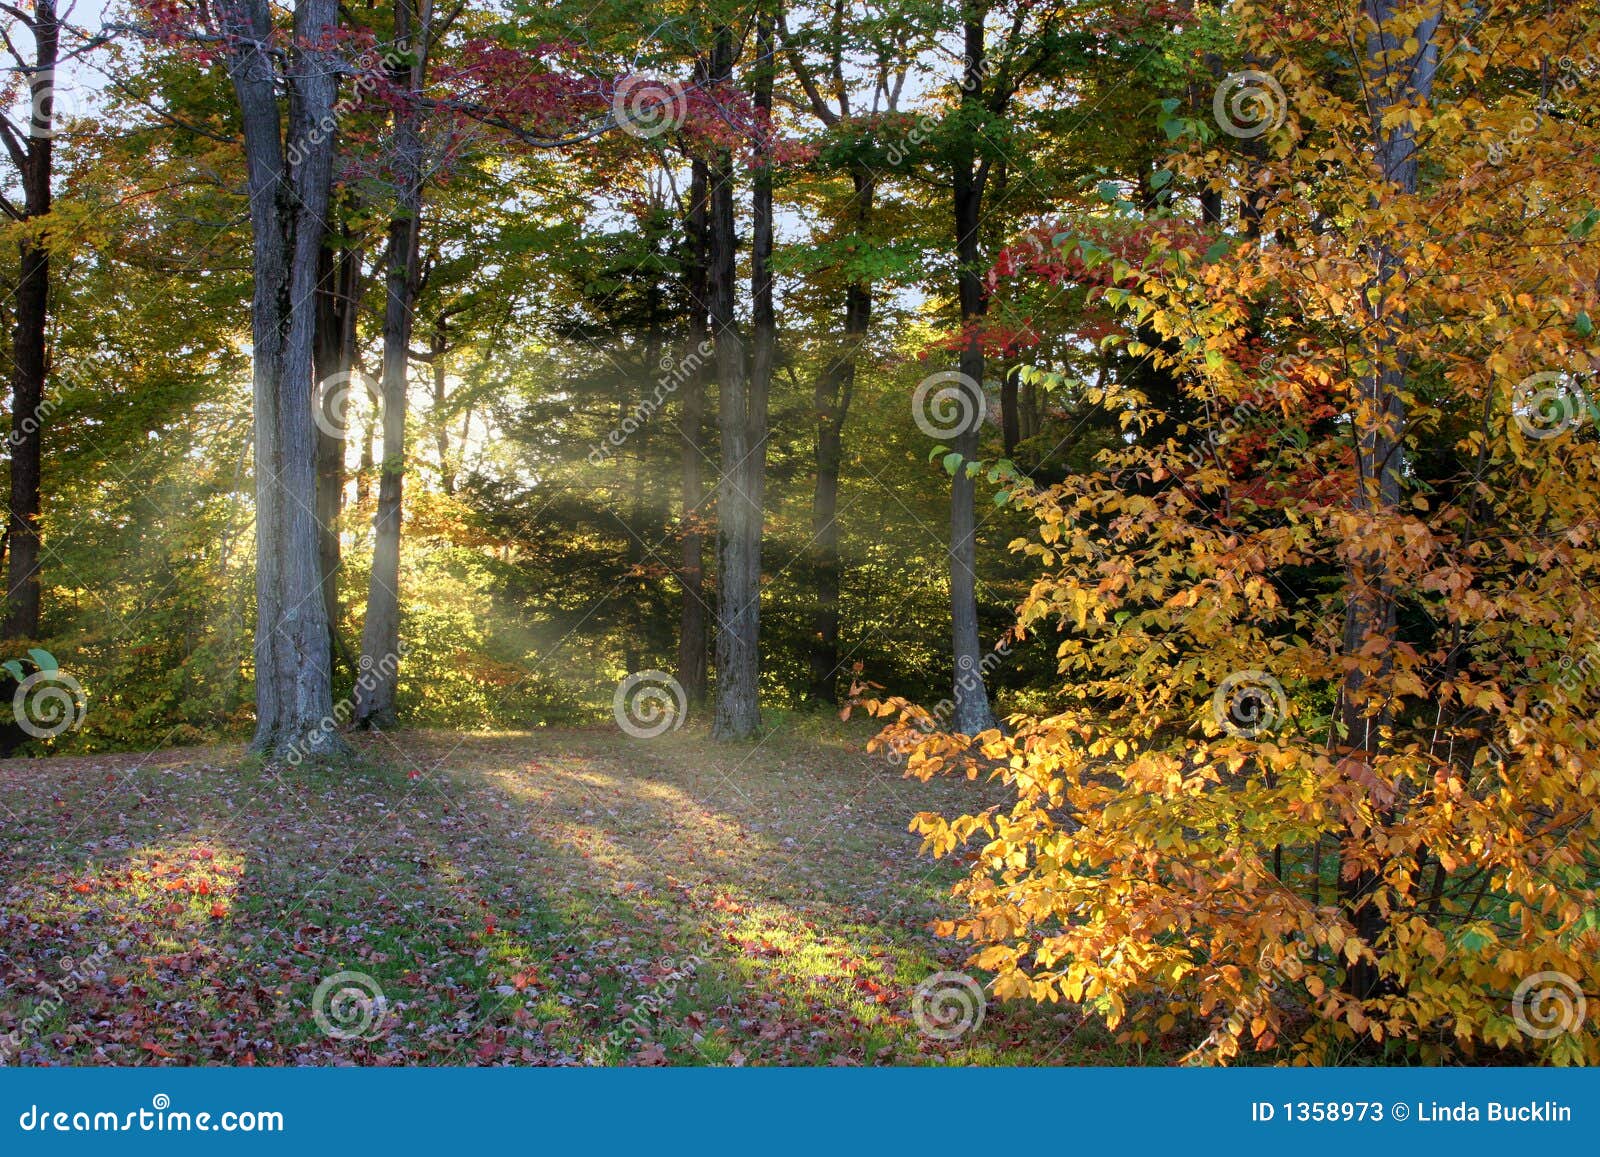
(691, 569)
(339, 275)
(438, 344)
(380, 632)
(1396, 77)
(29, 356)
(972, 713)
(288, 205)
(1010, 412)
(742, 417)
(834, 388)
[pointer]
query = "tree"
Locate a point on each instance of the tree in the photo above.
(30, 152)
(380, 634)
(692, 625)
(991, 78)
(1325, 769)
(288, 211)
(742, 404)
(851, 129)
(339, 284)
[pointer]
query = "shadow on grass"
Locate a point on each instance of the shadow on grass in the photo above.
(553, 898)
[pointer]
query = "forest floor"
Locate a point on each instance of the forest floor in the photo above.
(559, 897)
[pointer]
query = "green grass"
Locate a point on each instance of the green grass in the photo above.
(562, 897)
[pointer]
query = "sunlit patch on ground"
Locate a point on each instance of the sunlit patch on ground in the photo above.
(559, 898)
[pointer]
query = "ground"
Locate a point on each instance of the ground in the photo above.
(559, 897)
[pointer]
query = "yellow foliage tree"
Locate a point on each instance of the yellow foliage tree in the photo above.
(1325, 768)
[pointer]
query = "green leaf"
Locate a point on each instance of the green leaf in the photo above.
(43, 660)
(1161, 179)
(1584, 324)
(952, 462)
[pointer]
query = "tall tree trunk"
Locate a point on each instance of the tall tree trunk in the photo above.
(29, 356)
(288, 205)
(972, 713)
(691, 424)
(367, 463)
(380, 632)
(742, 415)
(438, 344)
(334, 356)
(635, 608)
(1397, 77)
(1010, 411)
(834, 388)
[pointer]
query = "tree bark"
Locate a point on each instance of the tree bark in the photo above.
(380, 632)
(742, 415)
(438, 345)
(339, 276)
(1010, 413)
(1396, 77)
(691, 568)
(288, 205)
(29, 354)
(971, 697)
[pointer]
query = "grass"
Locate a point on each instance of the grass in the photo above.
(559, 897)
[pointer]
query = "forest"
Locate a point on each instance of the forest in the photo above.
(825, 532)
